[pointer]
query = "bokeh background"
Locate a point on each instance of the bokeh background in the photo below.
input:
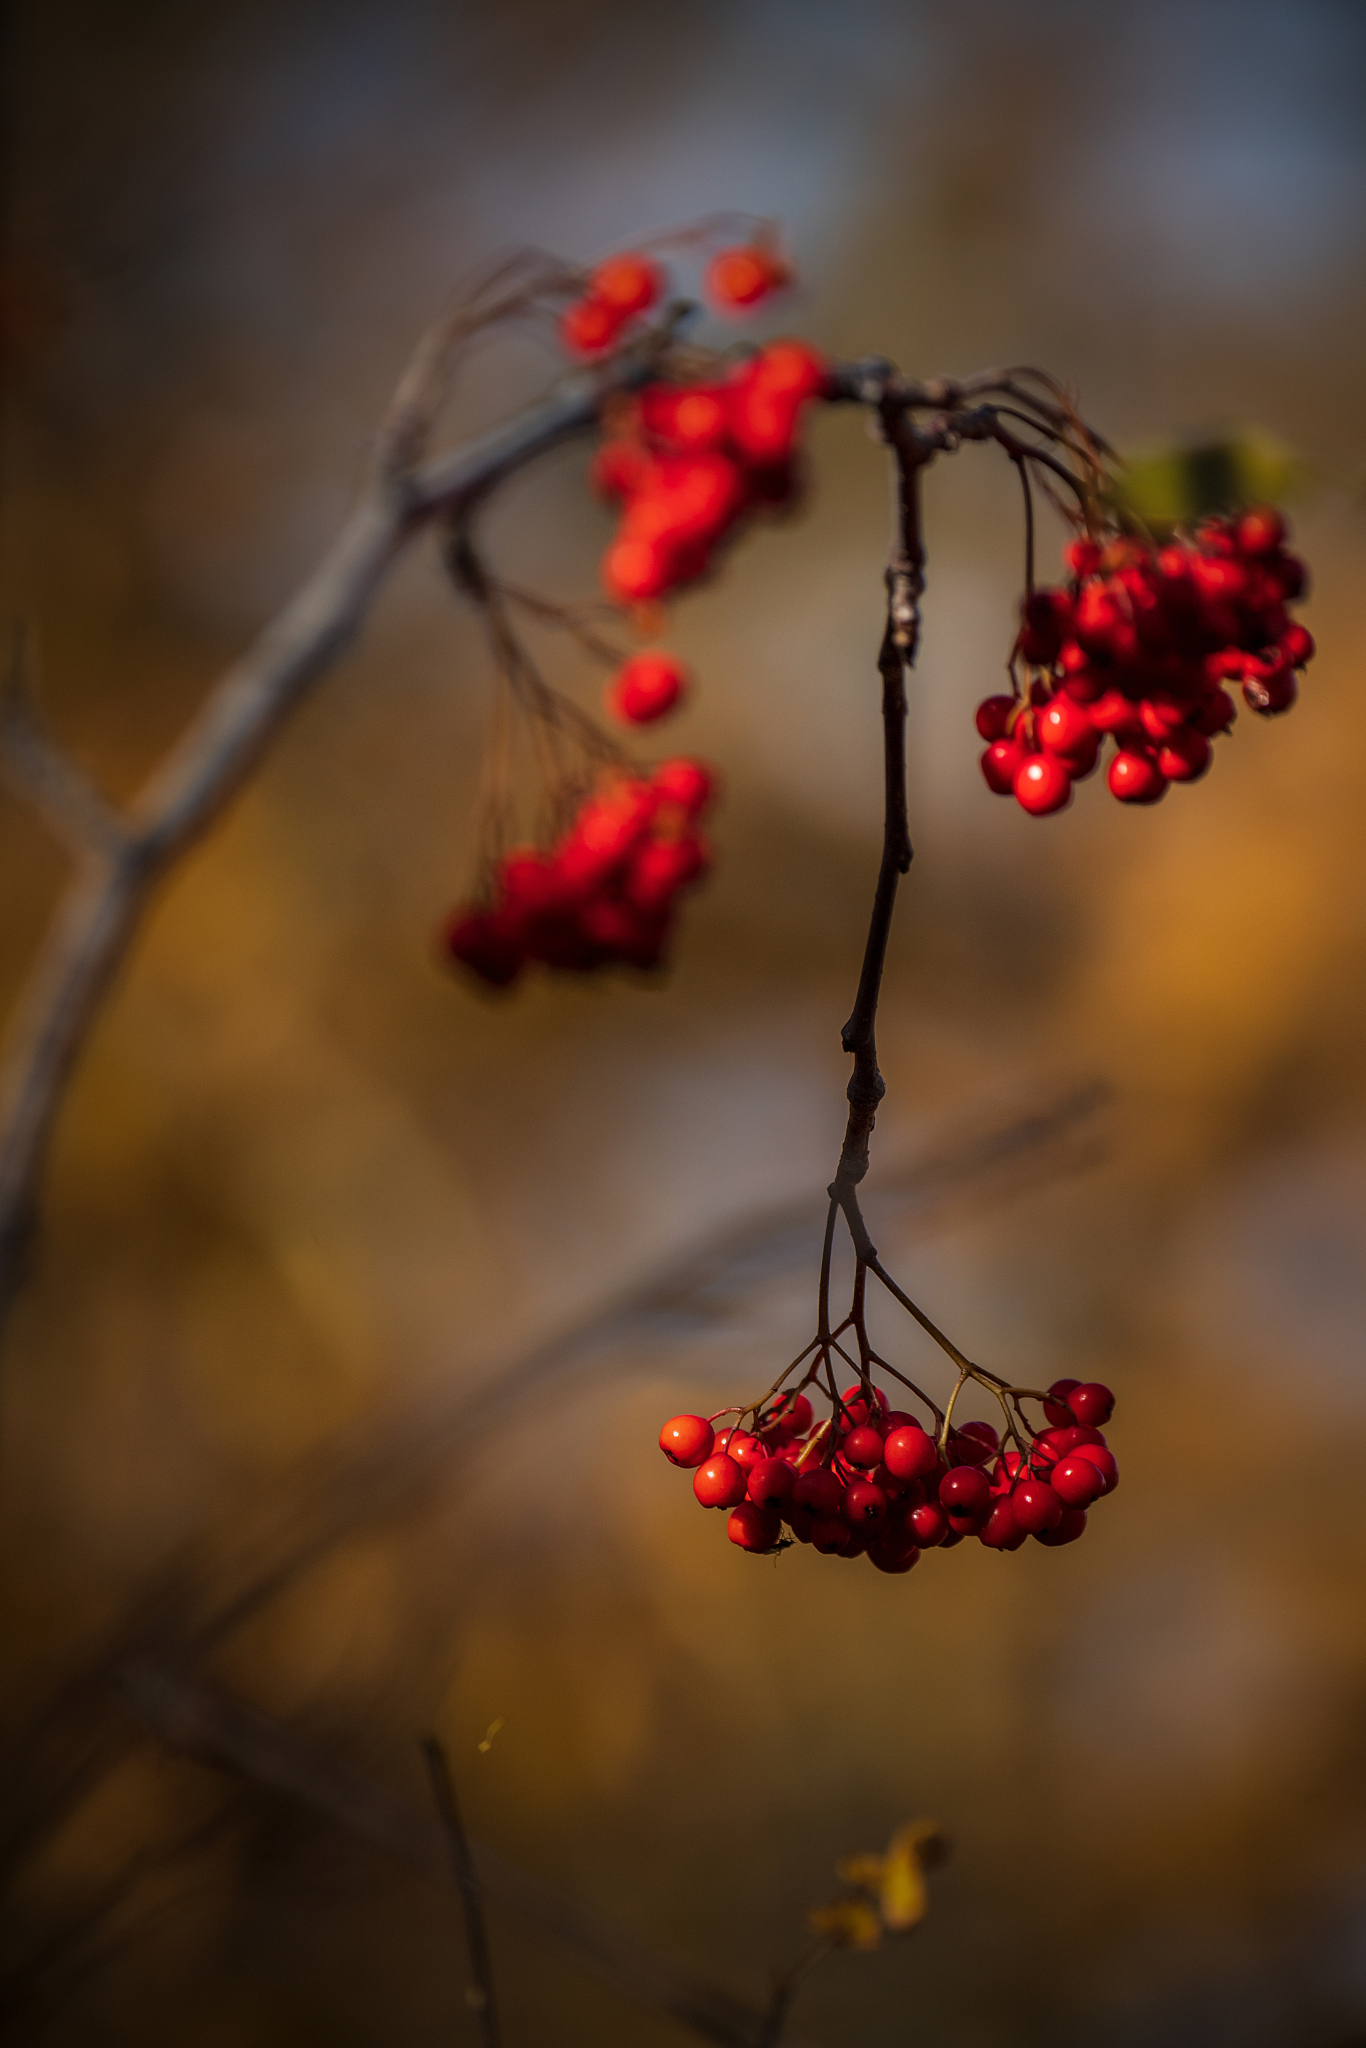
(314, 1204)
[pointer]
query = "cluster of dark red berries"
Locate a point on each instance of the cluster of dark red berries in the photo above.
(1139, 646)
(605, 893)
(625, 287)
(687, 462)
(873, 1482)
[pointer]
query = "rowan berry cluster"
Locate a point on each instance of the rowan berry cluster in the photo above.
(624, 288)
(871, 1480)
(688, 462)
(1139, 645)
(605, 892)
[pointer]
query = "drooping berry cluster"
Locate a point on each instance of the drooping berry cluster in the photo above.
(624, 288)
(870, 1480)
(605, 893)
(1139, 646)
(689, 461)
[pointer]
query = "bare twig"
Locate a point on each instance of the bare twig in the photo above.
(199, 1720)
(123, 861)
(480, 1993)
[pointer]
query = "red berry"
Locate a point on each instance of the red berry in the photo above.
(863, 1502)
(1001, 764)
(1064, 728)
(687, 1440)
(1036, 1506)
(910, 1453)
(626, 284)
(589, 326)
(832, 1536)
(1184, 756)
(486, 943)
(1104, 1462)
(1135, 778)
(746, 1450)
(1297, 645)
(1091, 1404)
(741, 277)
(1057, 1409)
(1260, 531)
(819, 1490)
(973, 1433)
(691, 785)
(1082, 557)
(964, 1491)
(1076, 1482)
(719, 1483)
(929, 1524)
(894, 1552)
(1069, 1528)
(753, 1528)
(646, 687)
(634, 570)
(1042, 784)
(993, 717)
(800, 1521)
(771, 1482)
(1002, 1531)
(794, 1412)
(863, 1446)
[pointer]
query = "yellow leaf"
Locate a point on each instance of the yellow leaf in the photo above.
(850, 1923)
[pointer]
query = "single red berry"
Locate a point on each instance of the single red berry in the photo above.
(800, 1521)
(1260, 531)
(1036, 1506)
(589, 326)
(1184, 756)
(1001, 763)
(909, 1492)
(741, 277)
(720, 1483)
(910, 1453)
(1002, 1531)
(863, 1446)
(1069, 1528)
(1135, 778)
(794, 1412)
(1104, 1462)
(832, 1536)
(964, 1491)
(627, 284)
(690, 784)
(1042, 784)
(753, 1528)
(1297, 645)
(1056, 1408)
(487, 943)
(820, 1491)
(746, 1450)
(771, 1482)
(1082, 557)
(976, 1433)
(894, 1552)
(1215, 713)
(635, 570)
(646, 687)
(993, 717)
(687, 1440)
(1064, 728)
(863, 1502)
(1076, 1481)
(1091, 1404)
(929, 1524)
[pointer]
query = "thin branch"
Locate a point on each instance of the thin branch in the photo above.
(37, 769)
(480, 1994)
(197, 1719)
(188, 792)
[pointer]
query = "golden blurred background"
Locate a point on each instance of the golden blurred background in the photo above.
(314, 1205)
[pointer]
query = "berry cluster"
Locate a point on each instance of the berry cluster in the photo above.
(688, 461)
(1139, 645)
(871, 1480)
(624, 287)
(605, 893)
